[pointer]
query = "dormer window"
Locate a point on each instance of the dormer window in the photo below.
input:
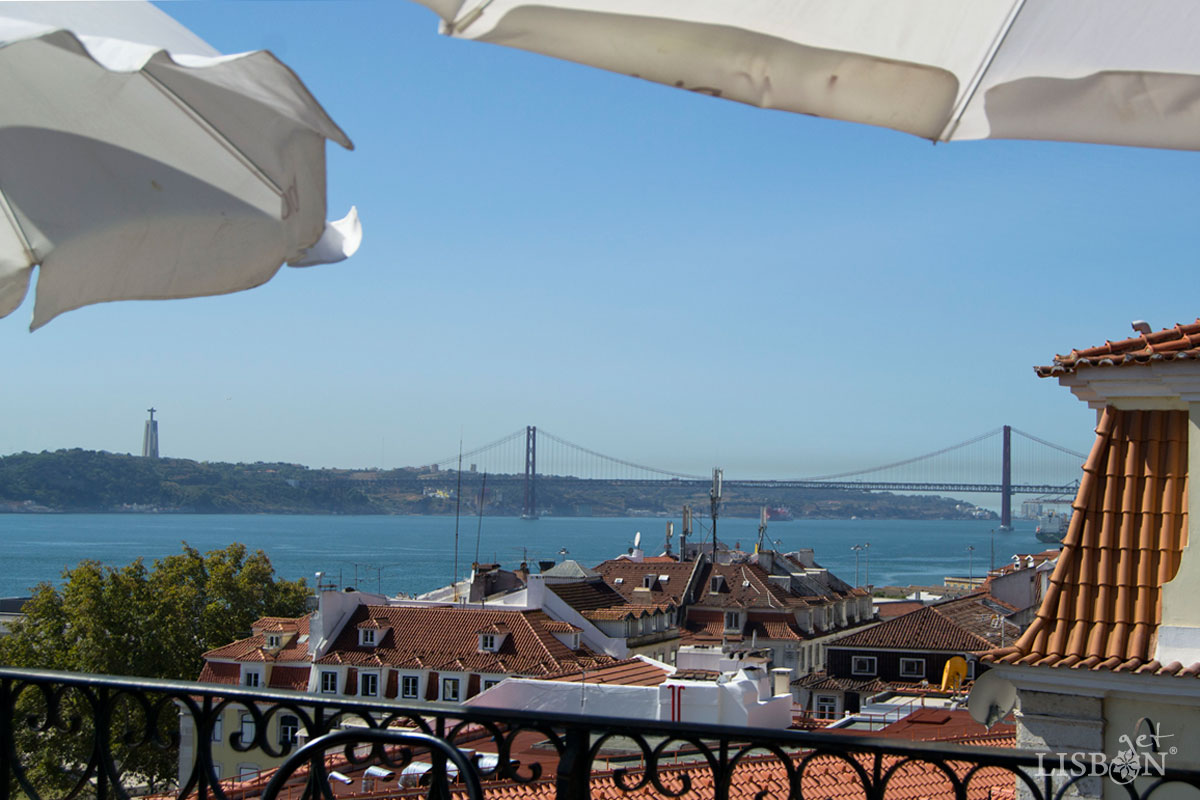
(273, 641)
(487, 642)
(648, 581)
(716, 584)
(733, 620)
(366, 637)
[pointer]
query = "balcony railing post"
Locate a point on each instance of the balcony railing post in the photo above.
(8, 747)
(574, 766)
(439, 783)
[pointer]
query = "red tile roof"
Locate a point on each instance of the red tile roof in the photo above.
(1126, 540)
(824, 777)
(441, 638)
(891, 610)
(632, 572)
(587, 595)
(254, 648)
(822, 681)
(960, 625)
(950, 725)
(629, 672)
(289, 678)
(1180, 342)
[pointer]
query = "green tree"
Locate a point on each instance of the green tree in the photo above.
(132, 621)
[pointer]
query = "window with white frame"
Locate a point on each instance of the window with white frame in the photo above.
(329, 681)
(251, 678)
(827, 705)
(970, 669)
(218, 727)
(273, 640)
(366, 637)
(247, 771)
(912, 668)
(450, 689)
(487, 642)
(247, 729)
(289, 727)
(368, 684)
(733, 620)
(862, 665)
(410, 686)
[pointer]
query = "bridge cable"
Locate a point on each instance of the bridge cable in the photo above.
(1051, 445)
(622, 462)
(852, 473)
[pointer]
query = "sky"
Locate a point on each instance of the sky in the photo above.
(665, 277)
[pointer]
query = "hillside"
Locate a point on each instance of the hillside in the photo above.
(90, 481)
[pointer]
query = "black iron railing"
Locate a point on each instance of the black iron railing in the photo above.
(66, 736)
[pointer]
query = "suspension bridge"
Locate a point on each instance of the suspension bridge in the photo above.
(983, 464)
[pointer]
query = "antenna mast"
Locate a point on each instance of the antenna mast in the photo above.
(457, 508)
(714, 499)
(686, 532)
(762, 530)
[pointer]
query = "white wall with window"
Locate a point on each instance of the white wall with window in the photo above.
(863, 665)
(826, 705)
(247, 728)
(252, 676)
(328, 681)
(289, 728)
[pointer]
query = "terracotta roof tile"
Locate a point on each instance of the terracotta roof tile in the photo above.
(220, 672)
(1179, 342)
(822, 681)
(1126, 539)
(896, 609)
(441, 638)
(629, 672)
(289, 678)
(950, 725)
(961, 625)
(824, 777)
(632, 572)
(587, 595)
(254, 648)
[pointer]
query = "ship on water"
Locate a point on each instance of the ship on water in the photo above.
(779, 514)
(1052, 526)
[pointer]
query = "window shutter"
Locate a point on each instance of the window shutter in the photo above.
(392, 682)
(431, 687)
(351, 681)
(472, 685)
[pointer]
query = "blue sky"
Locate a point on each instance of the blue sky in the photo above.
(669, 278)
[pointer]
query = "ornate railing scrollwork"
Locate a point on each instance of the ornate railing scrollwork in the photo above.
(65, 736)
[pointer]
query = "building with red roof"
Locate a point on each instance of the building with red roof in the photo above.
(1114, 650)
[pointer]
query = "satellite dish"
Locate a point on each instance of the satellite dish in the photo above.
(992, 698)
(637, 539)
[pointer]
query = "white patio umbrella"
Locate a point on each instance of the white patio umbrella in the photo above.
(136, 162)
(1105, 71)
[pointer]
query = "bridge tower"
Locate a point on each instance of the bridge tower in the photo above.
(529, 511)
(1006, 481)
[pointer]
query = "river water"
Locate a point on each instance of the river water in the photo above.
(414, 554)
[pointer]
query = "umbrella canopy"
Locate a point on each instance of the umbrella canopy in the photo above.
(1104, 71)
(136, 162)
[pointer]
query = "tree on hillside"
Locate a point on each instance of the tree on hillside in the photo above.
(154, 623)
